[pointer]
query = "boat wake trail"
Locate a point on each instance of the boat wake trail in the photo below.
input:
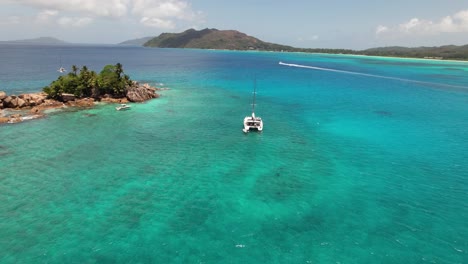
(372, 75)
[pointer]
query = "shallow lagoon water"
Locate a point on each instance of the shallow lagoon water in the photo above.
(349, 169)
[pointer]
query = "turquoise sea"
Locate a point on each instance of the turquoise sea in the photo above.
(362, 160)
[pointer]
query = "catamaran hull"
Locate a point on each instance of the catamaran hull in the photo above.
(248, 129)
(252, 124)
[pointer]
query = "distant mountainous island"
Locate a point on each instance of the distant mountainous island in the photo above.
(235, 40)
(212, 39)
(40, 40)
(138, 41)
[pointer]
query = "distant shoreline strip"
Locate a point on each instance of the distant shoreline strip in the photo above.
(371, 75)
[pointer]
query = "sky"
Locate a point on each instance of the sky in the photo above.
(357, 24)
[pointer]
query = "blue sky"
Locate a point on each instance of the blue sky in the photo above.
(357, 24)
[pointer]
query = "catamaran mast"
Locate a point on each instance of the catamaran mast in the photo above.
(254, 93)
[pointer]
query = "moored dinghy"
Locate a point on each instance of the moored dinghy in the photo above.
(122, 107)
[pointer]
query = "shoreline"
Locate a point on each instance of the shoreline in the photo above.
(19, 114)
(393, 57)
(338, 54)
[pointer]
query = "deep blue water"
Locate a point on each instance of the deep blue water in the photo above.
(366, 164)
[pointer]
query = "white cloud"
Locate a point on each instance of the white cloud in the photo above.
(52, 16)
(11, 20)
(457, 23)
(162, 14)
(74, 21)
(164, 8)
(109, 8)
(414, 25)
(381, 29)
(157, 22)
(46, 15)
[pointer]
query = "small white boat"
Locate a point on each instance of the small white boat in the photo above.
(122, 107)
(253, 122)
(61, 69)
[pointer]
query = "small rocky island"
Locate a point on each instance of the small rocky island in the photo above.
(79, 88)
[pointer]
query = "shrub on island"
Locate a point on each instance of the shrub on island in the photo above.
(111, 81)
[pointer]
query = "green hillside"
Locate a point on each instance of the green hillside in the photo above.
(442, 52)
(212, 39)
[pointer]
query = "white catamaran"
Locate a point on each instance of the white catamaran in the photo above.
(253, 122)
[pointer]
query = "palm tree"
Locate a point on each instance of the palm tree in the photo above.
(127, 80)
(74, 69)
(84, 81)
(118, 70)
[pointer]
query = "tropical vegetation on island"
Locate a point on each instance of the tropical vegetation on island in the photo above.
(86, 83)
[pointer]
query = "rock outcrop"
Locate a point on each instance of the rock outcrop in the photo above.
(66, 97)
(141, 93)
(20, 101)
(84, 102)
